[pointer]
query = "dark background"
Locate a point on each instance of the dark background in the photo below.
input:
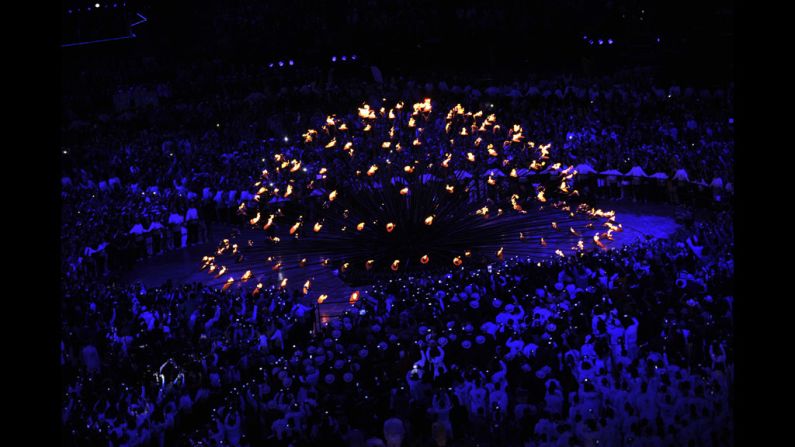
(463, 38)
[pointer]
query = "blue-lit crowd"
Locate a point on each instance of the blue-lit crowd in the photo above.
(627, 347)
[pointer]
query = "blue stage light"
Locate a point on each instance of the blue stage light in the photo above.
(281, 63)
(290, 63)
(610, 41)
(344, 58)
(353, 57)
(333, 58)
(601, 41)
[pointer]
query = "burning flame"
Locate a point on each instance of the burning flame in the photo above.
(295, 227)
(457, 261)
(317, 227)
(554, 225)
(543, 242)
(467, 253)
(322, 298)
(500, 254)
(307, 285)
(395, 265)
(269, 222)
(389, 227)
(364, 111)
(284, 283)
(491, 181)
(331, 143)
(228, 283)
(541, 197)
(471, 157)
(404, 191)
(289, 191)
(429, 220)
(424, 259)
(354, 297)
(449, 188)
(255, 219)
(369, 264)
(371, 172)
(302, 263)
(385, 145)
(360, 226)
(560, 253)
(513, 173)
(332, 195)
(424, 107)
(296, 165)
(246, 276)
(408, 169)
(345, 266)
(574, 232)
(276, 267)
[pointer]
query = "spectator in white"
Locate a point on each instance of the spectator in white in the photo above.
(90, 358)
(156, 231)
(631, 338)
(175, 221)
(232, 428)
(192, 221)
(138, 237)
(441, 407)
(394, 432)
